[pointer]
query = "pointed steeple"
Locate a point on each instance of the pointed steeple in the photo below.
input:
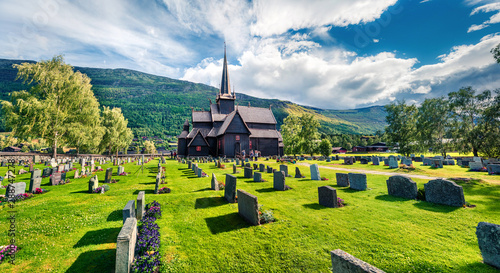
(225, 87)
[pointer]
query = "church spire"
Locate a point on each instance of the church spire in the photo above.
(225, 87)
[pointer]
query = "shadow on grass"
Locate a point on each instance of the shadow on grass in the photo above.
(205, 189)
(314, 206)
(146, 191)
(435, 207)
(349, 190)
(94, 261)
(226, 223)
(148, 183)
(209, 202)
(391, 198)
(265, 190)
(115, 215)
(84, 191)
(98, 237)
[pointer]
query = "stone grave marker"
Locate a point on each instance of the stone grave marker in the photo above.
(230, 188)
(214, 184)
(363, 161)
(444, 192)
(248, 172)
(401, 186)
(476, 166)
(279, 181)
(269, 169)
(348, 160)
(15, 189)
(343, 262)
(125, 246)
(55, 178)
(393, 163)
(46, 172)
(262, 168)
(248, 207)
(157, 183)
(257, 177)
(121, 170)
(200, 172)
(297, 173)
(141, 202)
(315, 172)
(493, 169)
(376, 161)
(327, 196)
(436, 163)
(109, 173)
(284, 168)
(255, 167)
(357, 181)
(342, 179)
(129, 210)
(407, 162)
(35, 181)
(488, 238)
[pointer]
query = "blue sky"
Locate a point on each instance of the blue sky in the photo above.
(330, 54)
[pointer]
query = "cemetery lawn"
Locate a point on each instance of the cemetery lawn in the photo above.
(70, 230)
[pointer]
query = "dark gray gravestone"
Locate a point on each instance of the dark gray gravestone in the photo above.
(55, 178)
(200, 172)
(214, 185)
(297, 173)
(125, 245)
(343, 262)
(63, 177)
(327, 196)
(437, 163)
(342, 179)
(257, 177)
(230, 188)
(476, 166)
(357, 181)
(109, 173)
(234, 168)
(248, 207)
(93, 183)
(493, 168)
(284, 168)
(348, 160)
(262, 168)
(315, 172)
(15, 189)
(269, 169)
(157, 183)
(444, 192)
(279, 181)
(376, 161)
(129, 210)
(255, 167)
(46, 172)
(35, 181)
(189, 164)
(488, 238)
(363, 161)
(248, 172)
(393, 163)
(121, 170)
(386, 161)
(401, 186)
(141, 201)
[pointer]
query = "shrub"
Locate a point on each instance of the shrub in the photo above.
(265, 216)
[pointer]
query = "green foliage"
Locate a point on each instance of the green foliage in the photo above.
(58, 101)
(149, 146)
(117, 135)
(290, 132)
(434, 124)
(402, 125)
(325, 147)
(309, 133)
(496, 53)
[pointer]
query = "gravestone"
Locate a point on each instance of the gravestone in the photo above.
(109, 173)
(269, 169)
(121, 170)
(386, 162)
(200, 172)
(279, 181)
(60, 168)
(363, 161)
(449, 162)
(230, 188)
(427, 161)
(214, 185)
(407, 162)
(348, 160)
(248, 207)
(189, 164)
(255, 167)
(476, 159)
(343, 262)
(248, 165)
(284, 168)
(55, 178)
(237, 161)
(157, 183)
(248, 172)
(234, 168)
(357, 181)
(476, 166)
(327, 196)
(129, 210)
(262, 168)
(444, 192)
(125, 246)
(401, 186)
(376, 161)
(141, 202)
(297, 173)
(488, 238)
(257, 177)
(436, 163)
(342, 179)
(15, 189)
(493, 169)
(315, 172)
(93, 183)
(35, 180)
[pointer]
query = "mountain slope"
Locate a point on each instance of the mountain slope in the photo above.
(156, 105)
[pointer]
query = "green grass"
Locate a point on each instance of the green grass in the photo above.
(69, 230)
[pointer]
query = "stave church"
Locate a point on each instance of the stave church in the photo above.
(229, 130)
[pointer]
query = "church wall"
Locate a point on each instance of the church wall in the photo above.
(203, 152)
(230, 144)
(266, 146)
(181, 146)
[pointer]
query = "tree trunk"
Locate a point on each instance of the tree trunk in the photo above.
(54, 147)
(474, 151)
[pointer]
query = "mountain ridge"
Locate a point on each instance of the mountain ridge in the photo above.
(158, 105)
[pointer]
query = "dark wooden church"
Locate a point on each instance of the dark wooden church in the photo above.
(230, 130)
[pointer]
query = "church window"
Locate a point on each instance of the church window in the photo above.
(237, 137)
(250, 143)
(198, 148)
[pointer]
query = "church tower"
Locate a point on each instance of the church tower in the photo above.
(225, 99)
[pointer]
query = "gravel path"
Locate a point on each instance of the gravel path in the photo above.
(374, 172)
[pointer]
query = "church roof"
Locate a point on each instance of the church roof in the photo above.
(264, 133)
(198, 132)
(204, 132)
(225, 87)
(216, 115)
(228, 121)
(256, 115)
(202, 116)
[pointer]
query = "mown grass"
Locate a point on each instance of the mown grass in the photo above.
(69, 230)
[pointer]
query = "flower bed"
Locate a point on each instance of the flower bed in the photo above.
(40, 191)
(17, 198)
(123, 174)
(340, 202)
(101, 189)
(148, 241)
(164, 190)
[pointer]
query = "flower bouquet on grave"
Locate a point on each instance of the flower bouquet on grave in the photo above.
(123, 174)
(73, 169)
(112, 181)
(324, 179)
(64, 181)
(265, 216)
(99, 170)
(101, 189)
(340, 202)
(164, 190)
(6, 251)
(40, 191)
(222, 166)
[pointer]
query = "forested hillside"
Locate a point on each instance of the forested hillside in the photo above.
(158, 106)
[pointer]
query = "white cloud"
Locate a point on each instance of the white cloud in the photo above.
(494, 19)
